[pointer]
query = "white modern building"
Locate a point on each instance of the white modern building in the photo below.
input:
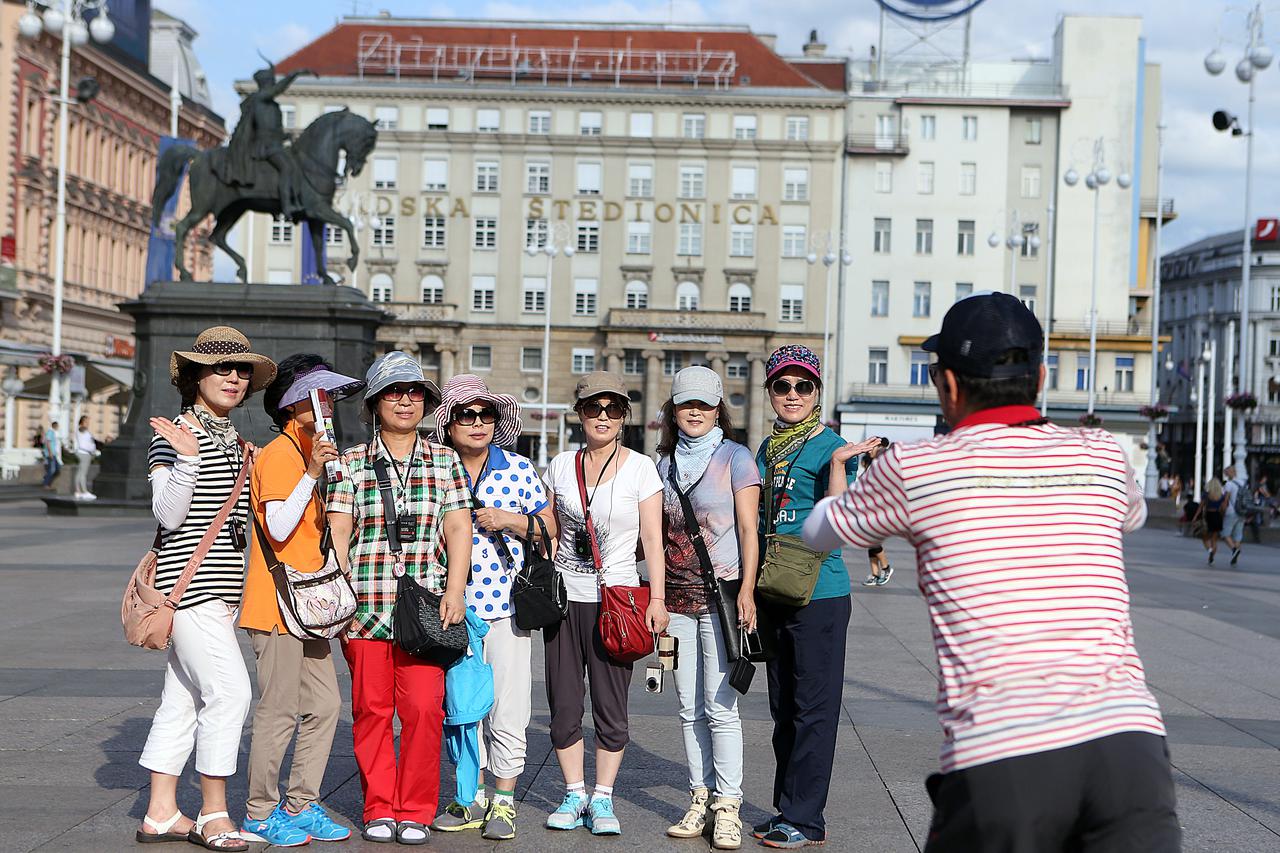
(955, 185)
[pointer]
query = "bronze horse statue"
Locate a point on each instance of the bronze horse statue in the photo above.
(316, 154)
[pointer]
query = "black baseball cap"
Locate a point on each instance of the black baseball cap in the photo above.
(978, 330)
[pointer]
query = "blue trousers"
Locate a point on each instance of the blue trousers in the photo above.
(806, 677)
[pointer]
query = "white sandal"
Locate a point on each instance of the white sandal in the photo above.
(226, 841)
(162, 833)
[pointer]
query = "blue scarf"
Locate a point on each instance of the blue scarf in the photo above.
(692, 456)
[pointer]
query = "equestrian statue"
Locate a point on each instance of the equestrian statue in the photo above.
(260, 170)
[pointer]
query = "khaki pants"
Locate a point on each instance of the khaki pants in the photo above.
(502, 733)
(299, 689)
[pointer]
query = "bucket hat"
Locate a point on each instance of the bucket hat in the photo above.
(468, 388)
(395, 366)
(222, 345)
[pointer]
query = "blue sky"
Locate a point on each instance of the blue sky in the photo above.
(1204, 169)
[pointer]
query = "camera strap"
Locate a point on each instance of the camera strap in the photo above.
(580, 470)
(390, 520)
(694, 530)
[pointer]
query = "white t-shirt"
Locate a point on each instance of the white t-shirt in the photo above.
(615, 514)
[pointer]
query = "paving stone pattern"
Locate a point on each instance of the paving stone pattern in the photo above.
(76, 703)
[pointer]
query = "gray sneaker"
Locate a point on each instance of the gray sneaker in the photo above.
(457, 817)
(885, 574)
(872, 580)
(500, 822)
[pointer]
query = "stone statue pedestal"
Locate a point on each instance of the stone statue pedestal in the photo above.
(338, 323)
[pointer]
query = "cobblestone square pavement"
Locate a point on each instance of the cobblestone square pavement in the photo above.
(76, 703)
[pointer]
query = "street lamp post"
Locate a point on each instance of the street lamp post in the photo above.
(557, 244)
(1211, 419)
(1098, 177)
(1017, 238)
(827, 241)
(1152, 485)
(1257, 57)
(1199, 401)
(64, 19)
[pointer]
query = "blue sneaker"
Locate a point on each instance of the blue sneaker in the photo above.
(600, 817)
(278, 830)
(315, 821)
(569, 815)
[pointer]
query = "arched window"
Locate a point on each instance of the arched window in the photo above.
(432, 289)
(637, 294)
(380, 286)
(739, 297)
(687, 296)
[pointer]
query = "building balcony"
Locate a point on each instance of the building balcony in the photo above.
(659, 319)
(422, 312)
(1106, 329)
(1147, 206)
(877, 143)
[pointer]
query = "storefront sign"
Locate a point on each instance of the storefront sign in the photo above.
(578, 210)
(663, 338)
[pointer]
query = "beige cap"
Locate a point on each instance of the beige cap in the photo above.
(599, 382)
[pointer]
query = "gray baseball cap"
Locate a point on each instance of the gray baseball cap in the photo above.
(697, 383)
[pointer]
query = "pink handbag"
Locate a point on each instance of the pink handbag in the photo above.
(146, 613)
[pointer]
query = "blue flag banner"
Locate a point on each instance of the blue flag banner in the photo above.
(160, 246)
(310, 275)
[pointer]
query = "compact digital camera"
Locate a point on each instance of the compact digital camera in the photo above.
(582, 544)
(653, 678)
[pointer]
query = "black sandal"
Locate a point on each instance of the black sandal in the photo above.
(388, 822)
(412, 824)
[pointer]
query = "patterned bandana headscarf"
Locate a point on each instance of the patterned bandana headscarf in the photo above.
(221, 430)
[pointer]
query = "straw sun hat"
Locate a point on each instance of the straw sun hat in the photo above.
(220, 345)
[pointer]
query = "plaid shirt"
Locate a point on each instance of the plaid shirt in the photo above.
(434, 483)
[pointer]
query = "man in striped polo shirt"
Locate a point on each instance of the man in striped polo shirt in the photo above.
(1052, 740)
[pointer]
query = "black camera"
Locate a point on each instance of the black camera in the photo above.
(582, 544)
(407, 527)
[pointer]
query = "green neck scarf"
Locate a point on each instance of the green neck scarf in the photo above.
(787, 438)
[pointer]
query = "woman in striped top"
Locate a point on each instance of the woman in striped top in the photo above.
(195, 463)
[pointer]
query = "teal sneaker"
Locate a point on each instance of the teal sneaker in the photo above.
(570, 814)
(600, 817)
(315, 821)
(278, 830)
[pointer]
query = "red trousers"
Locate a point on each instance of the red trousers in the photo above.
(385, 680)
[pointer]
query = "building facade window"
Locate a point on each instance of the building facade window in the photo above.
(791, 303)
(1027, 293)
(288, 116)
(737, 368)
(1031, 182)
(928, 127)
(743, 182)
(537, 177)
(924, 236)
(637, 294)
(879, 299)
(795, 184)
(744, 127)
(380, 287)
(590, 178)
(590, 123)
(384, 173)
(742, 241)
(383, 232)
(639, 238)
(433, 232)
(884, 176)
(794, 241)
(968, 178)
(688, 296)
(540, 121)
(633, 362)
(877, 366)
(537, 233)
(640, 125)
(488, 121)
(1082, 372)
(1051, 377)
(964, 289)
(432, 288)
(435, 175)
(797, 128)
(883, 237)
(924, 178)
(640, 180)
(693, 181)
(481, 357)
(482, 293)
(486, 232)
(533, 294)
(584, 297)
(531, 359)
(281, 232)
(921, 298)
(333, 237)
(437, 118)
(1124, 373)
(1029, 248)
(693, 126)
(919, 367)
(386, 118)
(486, 176)
(1034, 129)
(739, 297)
(964, 237)
(589, 237)
(689, 243)
(969, 128)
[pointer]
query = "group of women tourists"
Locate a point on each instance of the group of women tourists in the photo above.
(460, 515)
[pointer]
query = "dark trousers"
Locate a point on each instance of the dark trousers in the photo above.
(806, 677)
(575, 656)
(1110, 795)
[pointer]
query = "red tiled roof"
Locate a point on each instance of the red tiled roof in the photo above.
(335, 53)
(830, 74)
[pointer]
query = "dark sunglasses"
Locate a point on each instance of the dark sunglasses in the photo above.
(243, 370)
(393, 393)
(782, 387)
(467, 417)
(934, 369)
(593, 410)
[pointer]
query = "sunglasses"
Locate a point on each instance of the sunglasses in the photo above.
(781, 387)
(593, 410)
(394, 393)
(934, 369)
(468, 417)
(243, 370)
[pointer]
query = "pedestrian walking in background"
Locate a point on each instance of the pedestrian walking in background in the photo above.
(1213, 509)
(297, 684)
(1052, 740)
(719, 479)
(196, 463)
(881, 571)
(624, 498)
(506, 493)
(51, 453)
(86, 452)
(803, 596)
(433, 524)
(1233, 520)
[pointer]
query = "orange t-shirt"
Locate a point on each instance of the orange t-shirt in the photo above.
(275, 475)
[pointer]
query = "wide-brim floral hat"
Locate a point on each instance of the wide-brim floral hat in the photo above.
(222, 345)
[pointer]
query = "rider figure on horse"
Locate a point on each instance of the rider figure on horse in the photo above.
(259, 136)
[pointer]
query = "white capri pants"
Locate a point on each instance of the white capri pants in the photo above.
(206, 695)
(502, 733)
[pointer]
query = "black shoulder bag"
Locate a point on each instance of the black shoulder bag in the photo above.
(538, 595)
(722, 592)
(415, 617)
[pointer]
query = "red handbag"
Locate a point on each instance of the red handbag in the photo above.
(622, 627)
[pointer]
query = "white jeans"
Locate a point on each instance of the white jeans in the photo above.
(502, 733)
(84, 460)
(708, 705)
(206, 695)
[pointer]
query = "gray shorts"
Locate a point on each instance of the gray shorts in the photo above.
(1233, 527)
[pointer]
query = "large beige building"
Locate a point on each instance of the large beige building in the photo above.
(691, 171)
